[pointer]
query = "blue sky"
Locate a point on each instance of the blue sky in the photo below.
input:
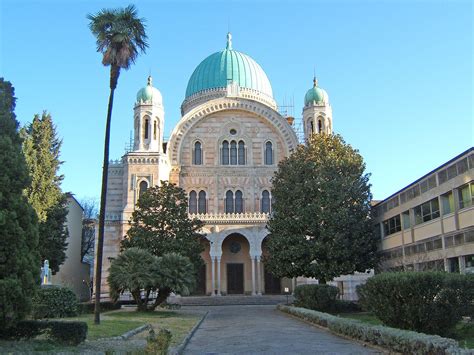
(398, 73)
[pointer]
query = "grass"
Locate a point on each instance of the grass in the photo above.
(178, 323)
(463, 333)
(113, 323)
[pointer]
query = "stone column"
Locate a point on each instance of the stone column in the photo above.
(213, 276)
(218, 276)
(259, 276)
(252, 259)
(462, 264)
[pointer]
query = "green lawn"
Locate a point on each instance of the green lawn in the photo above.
(464, 332)
(113, 323)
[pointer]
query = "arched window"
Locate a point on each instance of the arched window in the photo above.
(241, 153)
(229, 202)
(233, 153)
(239, 202)
(265, 201)
(202, 202)
(193, 202)
(154, 129)
(311, 126)
(268, 153)
(320, 126)
(145, 128)
(197, 157)
(142, 188)
(225, 153)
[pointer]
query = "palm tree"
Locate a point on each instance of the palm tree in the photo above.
(120, 38)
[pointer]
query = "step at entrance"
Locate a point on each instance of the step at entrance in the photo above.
(230, 300)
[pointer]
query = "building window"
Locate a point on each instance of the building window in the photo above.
(466, 195)
(225, 153)
(392, 225)
(235, 155)
(427, 211)
(241, 153)
(229, 202)
(320, 126)
(202, 202)
(447, 201)
(193, 202)
(239, 202)
(197, 154)
(406, 220)
(268, 153)
(265, 202)
(142, 188)
(145, 128)
(311, 124)
(154, 130)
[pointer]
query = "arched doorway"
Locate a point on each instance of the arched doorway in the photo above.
(236, 265)
(272, 283)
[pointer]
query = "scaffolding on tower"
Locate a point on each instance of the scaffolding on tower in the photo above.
(287, 110)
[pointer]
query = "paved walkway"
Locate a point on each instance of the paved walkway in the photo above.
(264, 330)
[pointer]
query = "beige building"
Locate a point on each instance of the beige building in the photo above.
(429, 225)
(74, 273)
(223, 152)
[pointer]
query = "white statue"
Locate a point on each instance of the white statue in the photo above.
(46, 274)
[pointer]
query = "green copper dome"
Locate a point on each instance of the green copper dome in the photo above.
(149, 93)
(315, 95)
(225, 67)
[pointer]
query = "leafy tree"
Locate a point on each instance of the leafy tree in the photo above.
(19, 260)
(41, 148)
(161, 225)
(88, 229)
(321, 224)
(137, 270)
(120, 38)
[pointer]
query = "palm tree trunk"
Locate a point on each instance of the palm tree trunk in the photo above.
(114, 74)
(163, 294)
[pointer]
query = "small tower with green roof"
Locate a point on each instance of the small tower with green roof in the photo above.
(317, 112)
(148, 119)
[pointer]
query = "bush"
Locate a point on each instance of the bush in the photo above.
(427, 302)
(397, 340)
(158, 344)
(71, 333)
(88, 307)
(316, 297)
(55, 302)
(342, 306)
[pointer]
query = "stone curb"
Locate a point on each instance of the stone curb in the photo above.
(130, 333)
(177, 350)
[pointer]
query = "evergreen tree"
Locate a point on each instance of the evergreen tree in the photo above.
(41, 147)
(160, 224)
(19, 260)
(321, 226)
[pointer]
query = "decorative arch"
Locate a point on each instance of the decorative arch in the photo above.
(217, 105)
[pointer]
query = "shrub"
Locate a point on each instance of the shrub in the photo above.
(342, 306)
(55, 302)
(316, 297)
(88, 307)
(397, 340)
(158, 344)
(71, 333)
(427, 302)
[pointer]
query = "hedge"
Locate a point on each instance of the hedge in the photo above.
(427, 302)
(71, 333)
(397, 340)
(88, 307)
(54, 302)
(316, 297)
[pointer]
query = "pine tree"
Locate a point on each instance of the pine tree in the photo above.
(41, 147)
(19, 260)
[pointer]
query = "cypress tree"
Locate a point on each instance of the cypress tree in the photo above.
(41, 147)
(19, 260)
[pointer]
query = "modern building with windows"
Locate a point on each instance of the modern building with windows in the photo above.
(223, 152)
(429, 225)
